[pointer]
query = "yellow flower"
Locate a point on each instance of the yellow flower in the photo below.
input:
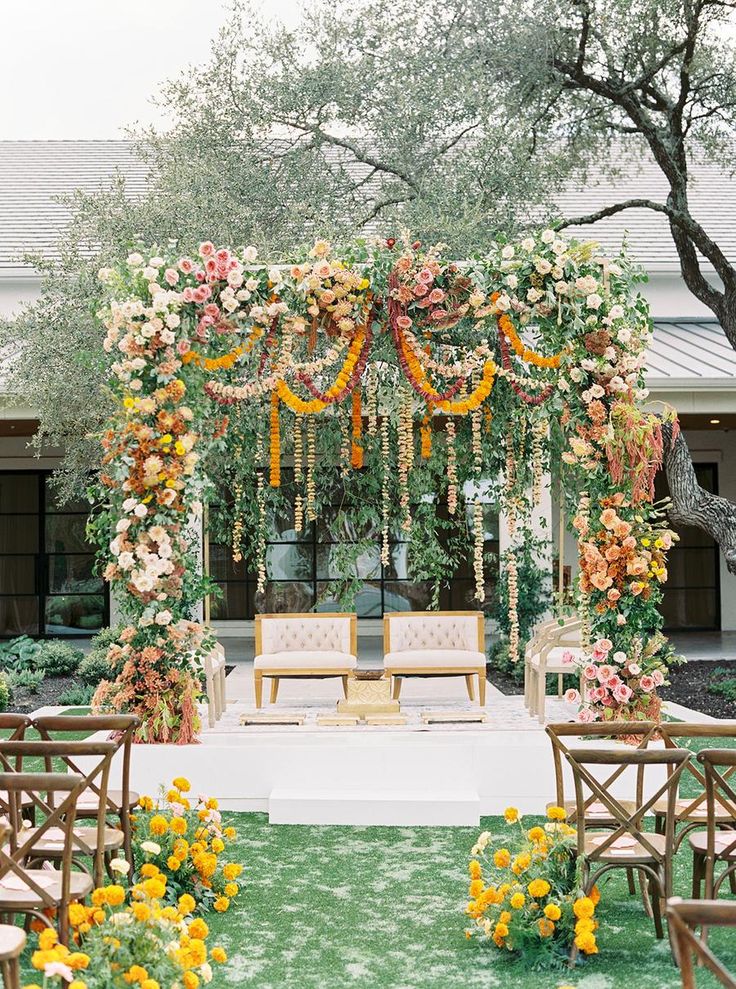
(47, 939)
(114, 895)
(501, 930)
(474, 869)
(231, 890)
(511, 814)
(552, 911)
(182, 784)
(187, 903)
(502, 858)
(141, 911)
(504, 917)
(231, 871)
(77, 914)
(198, 929)
(517, 901)
(537, 834)
(173, 863)
(155, 888)
(221, 904)
(190, 980)
(546, 927)
(150, 984)
(136, 973)
(586, 943)
(556, 813)
(99, 897)
(538, 887)
(476, 887)
(75, 984)
(158, 825)
(218, 955)
(583, 908)
(148, 869)
(178, 826)
(218, 846)
(230, 833)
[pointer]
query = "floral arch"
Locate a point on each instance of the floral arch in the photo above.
(534, 352)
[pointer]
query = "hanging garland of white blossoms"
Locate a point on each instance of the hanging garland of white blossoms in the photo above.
(298, 473)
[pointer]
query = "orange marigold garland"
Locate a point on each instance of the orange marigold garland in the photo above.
(385, 492)
(275, 472)
(356, 449)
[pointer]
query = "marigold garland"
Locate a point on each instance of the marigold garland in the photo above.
(356, 448)
(275, 473)
(506, 327)
(298, 474)
(385, 492)
(346, 380)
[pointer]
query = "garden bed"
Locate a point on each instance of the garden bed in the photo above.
(690, 688)
(49, 692)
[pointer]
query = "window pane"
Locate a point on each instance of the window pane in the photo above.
(222, 565)
(17, 575)
(66, 534)
(75, 614)
(689, 608)
(289, 561)
(398, 566)
(367, 601)
(329, 567)
(18, 534)
(75, 505)
(294, 596)
(19, 492)
(334, 526)
(236, 602)
(18, 616)
(402, 595)
(281, 529)
(73, 574)
(692, 567)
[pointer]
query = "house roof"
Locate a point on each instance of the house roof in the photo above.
(33, 174)
(690, 354)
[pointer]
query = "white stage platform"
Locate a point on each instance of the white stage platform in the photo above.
(365, 775)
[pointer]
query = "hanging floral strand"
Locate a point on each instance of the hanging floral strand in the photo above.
(451, 466)
(311, 458)
(261, 522)
(345, 442)
(513, 586)
(356, 447)
(582, 524)
(540, 432)
(509, 481)
(275, 472)
(298, 474)
(478, 522)
(385, 494)
(406, 456)
(425, 433)
(372, 405)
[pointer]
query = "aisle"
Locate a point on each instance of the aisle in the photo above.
(382, 908)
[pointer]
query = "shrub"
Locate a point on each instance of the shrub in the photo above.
(20, 654)
(29, 680)
(4, 693)
(58, 658)
(723, 683)
(79, 695)
(95, 667)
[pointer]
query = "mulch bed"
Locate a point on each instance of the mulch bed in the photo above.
(690, 688)
(24, 702)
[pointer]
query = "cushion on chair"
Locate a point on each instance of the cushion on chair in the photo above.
(554, 659)
(306, 659)
(427, 631)
(454, 658)
(287, 634)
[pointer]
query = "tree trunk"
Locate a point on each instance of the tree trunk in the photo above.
(691, 504)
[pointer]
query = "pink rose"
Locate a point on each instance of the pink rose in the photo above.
(186, 265)
(436, 295)
(658, 678)
(426, 276)
(601, 693)
(212, 310)
(223, 255)
(585, 716)
(598, 655)
(188, 294)
(403, 323)
(207, 249)
(438, 315)
(605, 645)
(568, 657)
(605, 673)
(614, 594)
(420, 290)
(590, 672)
(572, 696)
(210, 266)
(171, 275)
(647, 683)
(183, 346)
(622, 693)
(613, 682)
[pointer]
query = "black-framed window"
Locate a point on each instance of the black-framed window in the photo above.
(300, 567)
(47, 581)
(691, 599)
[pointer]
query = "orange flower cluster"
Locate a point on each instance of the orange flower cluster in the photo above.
(425, 434)
(461, 406)
(226, 361)
(506, 326)
(275, 475)
(356, 448)
(315, 405)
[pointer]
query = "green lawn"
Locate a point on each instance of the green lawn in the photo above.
(382, 908)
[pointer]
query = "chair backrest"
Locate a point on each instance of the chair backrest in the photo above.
(17, 725)
(334, 631)
(95, 780)
(568, 635)
(14, 856)
(559, 733)
(720, 795)
(674, 734)
(404, 630)
(627, 821)
(121, 727)
(682, 917)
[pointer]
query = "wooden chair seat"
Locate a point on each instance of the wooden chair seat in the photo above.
(88, 804)
(698, 813)
(12, 941)
(11, 900)
(599, 815)
(51, 844)
(627, 849)
(699, 843)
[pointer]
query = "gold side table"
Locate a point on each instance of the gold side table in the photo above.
(369, 693)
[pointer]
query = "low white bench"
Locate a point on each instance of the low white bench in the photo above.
(310, 645)
(435, 643)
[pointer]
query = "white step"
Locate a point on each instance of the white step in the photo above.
(383, 807)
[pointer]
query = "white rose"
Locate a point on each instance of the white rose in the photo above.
(150, 273)
(250, 254)
(512, 281)
(503, 302)
(619, 657)
(559, 246)
(135, 260)
(586, 284)
(642, 394)
(126, 560)
(597, 391)
(624, 335)
(507, 251)
(563, 384)
(561, 288)
(616, 312)
(173, 320)
(528, 244)
(576, 374)
(163, 618)
(543, 266)
(534, 295)
(122, 525)
(140, 510)
(594, 301)
(104, 275)
(547, 236)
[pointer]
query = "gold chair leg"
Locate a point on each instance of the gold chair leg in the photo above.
(482, 688)
(397, 688)
(274, 689)
(469, 685)
(344, 679)
(258, 688)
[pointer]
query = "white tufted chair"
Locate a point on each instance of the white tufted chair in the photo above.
(314, 644)
(435, 643)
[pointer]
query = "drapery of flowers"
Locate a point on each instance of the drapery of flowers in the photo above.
(537, 346)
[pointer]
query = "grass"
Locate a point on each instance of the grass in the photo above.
(382, 908)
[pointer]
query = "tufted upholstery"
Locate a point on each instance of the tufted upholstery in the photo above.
(310, 659)
(461, 658)
(433, 632)
(279, 635)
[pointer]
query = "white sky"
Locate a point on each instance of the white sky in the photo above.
(88, 68)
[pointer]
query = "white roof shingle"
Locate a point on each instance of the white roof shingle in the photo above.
(690, 354)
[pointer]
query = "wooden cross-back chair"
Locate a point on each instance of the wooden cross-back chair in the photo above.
(17, 725)
(118, 802)
(12, 943)
(32, 891)
(625, 844)
(682, 917)
(717, 844)
(98, 842)
(691, 811)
